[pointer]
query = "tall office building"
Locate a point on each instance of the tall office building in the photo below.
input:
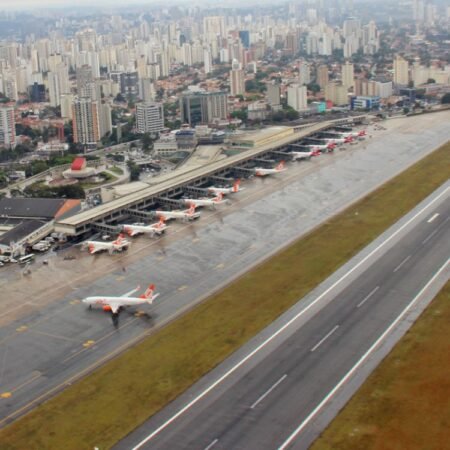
(7, 126)
(304, 72)
(347, 75)
(237, 80)
(297, 97)
(203, 107)
(91, 121)
(401, 71)
(149, 117)
(322, 76)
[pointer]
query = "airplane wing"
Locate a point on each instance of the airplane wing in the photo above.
(129, 294)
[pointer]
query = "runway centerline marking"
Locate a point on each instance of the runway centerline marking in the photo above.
(435, 216)
(274, 386)
(213, 443)
(286, 325)
(364, 300)
(402, 263)
(435, 231)
(361, 360)
(324, 338)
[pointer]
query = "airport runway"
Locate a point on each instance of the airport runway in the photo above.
(48, 339)
(266, 397)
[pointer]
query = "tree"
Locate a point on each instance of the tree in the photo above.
(292, 114)
(431, 81)
(134, 170)
(313, 87)
(147, 141)
(446, 99)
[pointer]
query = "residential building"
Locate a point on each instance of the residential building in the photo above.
(297, 97)
(273, 94)
(336, 93)
(347, 75)
(91, 121)
(401, 71)
(322, 76)
(237, 80)
(7, 126)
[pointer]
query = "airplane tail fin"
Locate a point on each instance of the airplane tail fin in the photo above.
(149, 294)
(161, 223)
(348, 139)
(119, 239)
(236, 185)
(91, 248)
(280, 166)
(218, 198)
(191, 210)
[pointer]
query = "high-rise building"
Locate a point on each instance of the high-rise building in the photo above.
(273, 94)
(149, 117)
(401, 71)
(84, 81)
(304, 72)
(336, 93)
(322, 76)
(37, 92)
(347, 75)
(297, 97)
(237, 80)
(244, 36)
(203, 107)
(66, 106)
(91, 121)
(7, 126)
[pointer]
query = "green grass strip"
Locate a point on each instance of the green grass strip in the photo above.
(405, 403)
(108, 404)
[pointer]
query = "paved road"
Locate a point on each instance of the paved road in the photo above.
(264, 398)
(59, 340)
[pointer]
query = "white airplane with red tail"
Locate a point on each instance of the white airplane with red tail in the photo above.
(211, 202)
(118, 245)
(354, 134)
(322, 147)
(115, 304)
(339, 140)
(188, 214)
(228, 190)
(155, 228)
(262, 172)
(304, 155)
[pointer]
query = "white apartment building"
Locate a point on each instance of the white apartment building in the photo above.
(7, 126)
(297, 97)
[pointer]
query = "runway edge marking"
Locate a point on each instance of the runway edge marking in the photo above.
(363, 358)
(286, 325)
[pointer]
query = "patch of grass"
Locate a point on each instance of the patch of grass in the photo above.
(112, 401)
(116, 170)
(405, 403)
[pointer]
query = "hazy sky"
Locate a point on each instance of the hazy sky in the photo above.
(35, 4)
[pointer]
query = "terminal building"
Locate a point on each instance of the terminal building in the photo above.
(25, 221)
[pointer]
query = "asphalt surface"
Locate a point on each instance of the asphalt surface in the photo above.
(270, 390)
(48, 339)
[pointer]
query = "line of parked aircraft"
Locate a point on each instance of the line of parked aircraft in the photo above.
(116, 304)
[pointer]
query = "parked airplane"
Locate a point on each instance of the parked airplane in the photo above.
(322, 148)
(211, 202)
(188, 214)
(339, 140)
(262, 172)
(115, 304)
(304, 155)
(118, 245)
(155, 228)
(228, 190)
(353, 134)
